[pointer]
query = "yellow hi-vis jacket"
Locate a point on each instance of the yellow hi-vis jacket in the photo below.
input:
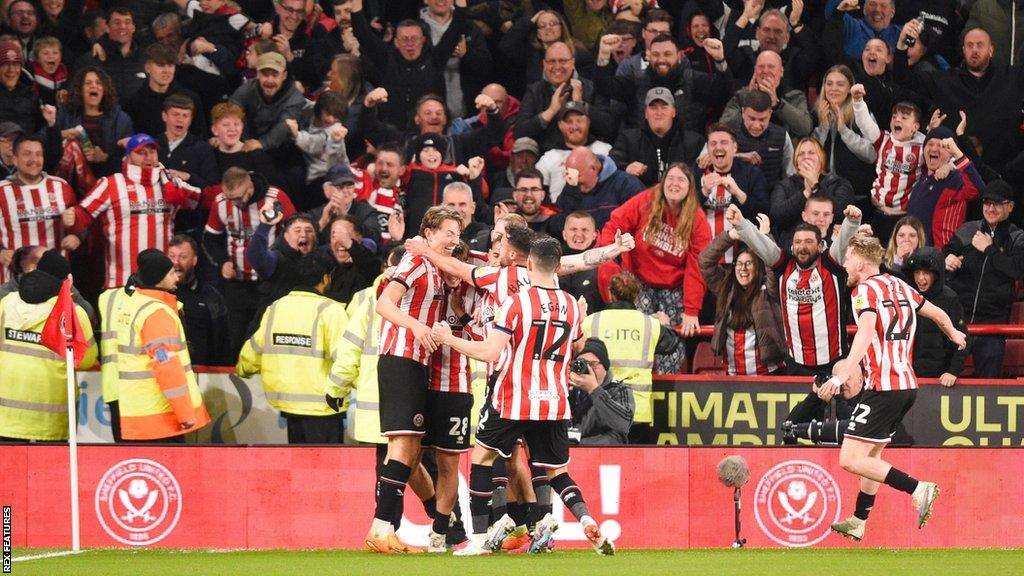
(157, 390)
(631, 337)
(110, 303)
(33, 380)
(293, 351)
(357, 365)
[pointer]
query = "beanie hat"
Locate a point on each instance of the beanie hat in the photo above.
(597, 348)
(428, 141)
(153, 266)
(54, 264)
(940, 132)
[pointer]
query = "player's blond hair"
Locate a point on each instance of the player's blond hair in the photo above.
(513, 219)
(867, 247)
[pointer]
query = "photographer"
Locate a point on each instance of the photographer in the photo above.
(602, 410)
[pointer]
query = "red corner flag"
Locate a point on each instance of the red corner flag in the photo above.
(62, 327)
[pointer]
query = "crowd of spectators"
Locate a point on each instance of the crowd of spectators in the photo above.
(730, 138)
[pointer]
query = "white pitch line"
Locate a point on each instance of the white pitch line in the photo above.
(47, 555)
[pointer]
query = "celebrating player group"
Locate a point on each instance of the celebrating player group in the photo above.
(512, 315)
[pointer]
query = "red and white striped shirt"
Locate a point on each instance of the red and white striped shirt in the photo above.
(742, 356)
(533, 375)
(889, 363)
(423, 300)
(714, 209)
(897, 167)
(451, 371)
(383, 200)
(500, 283)
(240, 225)
(137, 208)
(811, 311)
(30, 214)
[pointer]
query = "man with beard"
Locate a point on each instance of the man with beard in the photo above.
(977, 88)
(546, 99)
(525, 153)
(749, 34)
(204, 312)
(529, 196)
(340, 191)
(694, 92)
(810, 288)
(789, 106)
(574, 125)
(647, 151)
(267, 101)
(230, 228)
(814, 312)
(379, 184)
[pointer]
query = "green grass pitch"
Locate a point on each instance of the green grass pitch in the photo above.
(747, 562)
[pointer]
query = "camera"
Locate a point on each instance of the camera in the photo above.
(579, 366)
(273, 212)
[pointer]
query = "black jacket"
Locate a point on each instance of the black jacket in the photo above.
(193, 155)
(787, 199)
(204, 316)
(934, 354)
(642, 145)
(146, 108)
(21, 105)
(461, 147)
(603, 417)
(985, 280)
(695, 92)
(536, 100)
(127, 72)
(405, 81)
(992, 103)
(370, 221)
(347, 279)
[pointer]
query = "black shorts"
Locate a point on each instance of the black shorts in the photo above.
(448, 421)
(547, 440)
(403, 396)
(877, 415)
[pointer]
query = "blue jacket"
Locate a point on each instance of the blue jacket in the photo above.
(613, 188)
(857, 32)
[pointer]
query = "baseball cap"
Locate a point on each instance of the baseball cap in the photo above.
(138, 141)
(10, 51)
(9, 128)
(574, 106)
(659, 93)
(998, 191)
(525, 144)
(271, 60)
(340, 174)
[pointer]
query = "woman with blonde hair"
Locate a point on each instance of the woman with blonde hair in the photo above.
(907, 235)
(848, 152)
(810, 177)
(670, 231)
(525, 43)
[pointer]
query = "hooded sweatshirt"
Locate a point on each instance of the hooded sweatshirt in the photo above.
(933, 353)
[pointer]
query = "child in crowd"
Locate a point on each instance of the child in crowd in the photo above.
(426, 176)
(323, 142)
(215, 31)
(899, 159)
(49, 73)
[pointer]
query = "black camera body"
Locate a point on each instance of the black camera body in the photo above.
(273, 212)
(579, 366)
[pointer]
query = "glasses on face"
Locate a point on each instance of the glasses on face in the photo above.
(744, 263)
(533, 190)
(558, 61)
(293, 11)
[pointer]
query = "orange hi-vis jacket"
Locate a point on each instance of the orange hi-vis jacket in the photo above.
(157, 389)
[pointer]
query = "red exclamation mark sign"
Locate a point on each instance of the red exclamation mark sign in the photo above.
(611, 488)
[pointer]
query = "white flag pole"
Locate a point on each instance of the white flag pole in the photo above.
(69, 356)
(69, 362)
